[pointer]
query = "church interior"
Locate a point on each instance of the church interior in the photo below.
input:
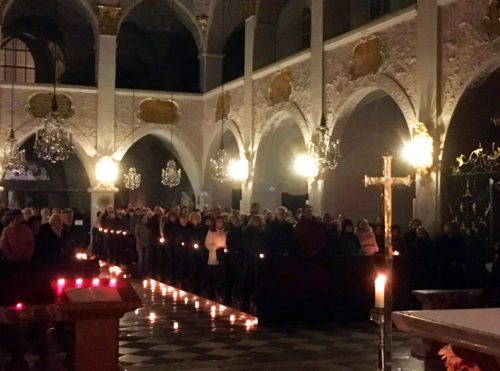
(250, 185)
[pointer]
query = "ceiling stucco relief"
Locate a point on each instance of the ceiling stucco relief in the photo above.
(396, 76)
(281, 87)
(468, 54)
(367, 58)
(158, 111)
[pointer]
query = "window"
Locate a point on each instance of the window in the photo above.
(16, 62)
(378, 8)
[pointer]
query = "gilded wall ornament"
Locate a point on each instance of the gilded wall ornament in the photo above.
(281, 87)
(40, 104)
(367, 58)
(156, 111)
(223, 107)
(491, 22)
(108, 17)
(202, 20)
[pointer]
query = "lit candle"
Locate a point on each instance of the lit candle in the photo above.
(164, 291)
(152, 316)
(79, 282)
(182, 243)
(61, 282)
(262, 256)
(175, 295)
(186, 300)
(395, 253)
(145, 283)
(95, 282)
(197, 304)
(380, 290)
(196, 246)
(162, 240)
(176, 325)
(232, 318)
(112, 282)
(19, 306)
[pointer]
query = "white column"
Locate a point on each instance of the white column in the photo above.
(106, 72)
(248, 132)
(315, 189)
(427, 203)
(210, 70)
(99, 200)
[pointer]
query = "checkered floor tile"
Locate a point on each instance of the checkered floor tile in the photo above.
(205, 343)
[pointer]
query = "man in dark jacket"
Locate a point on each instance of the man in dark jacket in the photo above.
(280, 236)
(310, 233)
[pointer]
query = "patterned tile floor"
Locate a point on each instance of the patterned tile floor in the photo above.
(203, 343)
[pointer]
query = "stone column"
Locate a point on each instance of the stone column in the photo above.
(100, 198)
(315, 188)
(248, 132)
(210, 70)
(106, 75)
(265, 40)
(427, 203)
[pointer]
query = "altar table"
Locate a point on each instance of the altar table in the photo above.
(474, 333)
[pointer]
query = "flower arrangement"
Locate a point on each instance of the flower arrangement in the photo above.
(454, 363)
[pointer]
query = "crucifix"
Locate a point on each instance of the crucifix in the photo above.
(388, 182)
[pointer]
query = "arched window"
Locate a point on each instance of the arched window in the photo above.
(16, 62)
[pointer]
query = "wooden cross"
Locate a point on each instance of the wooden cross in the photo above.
(387, 181)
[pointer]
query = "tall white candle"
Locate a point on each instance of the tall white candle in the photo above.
(380, 290)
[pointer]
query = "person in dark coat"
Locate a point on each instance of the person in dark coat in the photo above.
(451, 253)
(280, 236)
(424, 271)
(49, 242)
(254, 244)
(332, 233)
(348, 243)
(180, 245)
(411, 235)
(310, 233)
(233, 260)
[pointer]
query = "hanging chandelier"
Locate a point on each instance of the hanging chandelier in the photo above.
(220, 164)
(170, 175)
(324, 150)
(52, 141)
(132, 179)
(13, 157)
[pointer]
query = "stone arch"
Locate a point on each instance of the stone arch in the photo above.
(373, 125)
(89, 11)
(276, 114)
(183, 149)
(466, 82)
(342, 110)
(182, 12)
(80, 150)
(284, 136)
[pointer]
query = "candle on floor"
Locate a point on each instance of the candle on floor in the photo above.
(152, 316)
(380, 290)
(176, 325)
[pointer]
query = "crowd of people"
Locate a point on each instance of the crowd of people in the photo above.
(39, 235)
(219, 252)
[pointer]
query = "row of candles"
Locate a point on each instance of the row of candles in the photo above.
(113, 231)
(235, 317)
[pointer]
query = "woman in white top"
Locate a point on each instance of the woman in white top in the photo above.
(215, 240)
(366, 238)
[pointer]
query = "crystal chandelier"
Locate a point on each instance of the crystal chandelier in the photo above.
(52, 141)
(170, 175)
(132, 179)
(325, 151)
(13, 157)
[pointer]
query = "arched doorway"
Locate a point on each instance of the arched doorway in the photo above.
(376, 127)
(44, 184)
(149, 155)
(471, 197)
(228, 193)
(275, 179)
